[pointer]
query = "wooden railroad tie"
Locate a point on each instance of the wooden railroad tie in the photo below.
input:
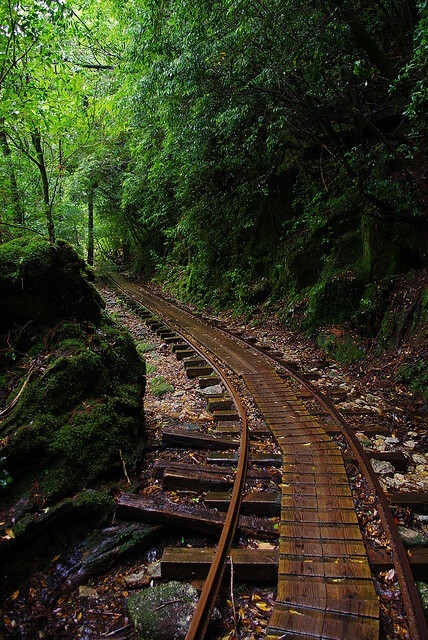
(173, 437)
(259, 565)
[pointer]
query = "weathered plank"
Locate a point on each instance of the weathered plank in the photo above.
(254, 565)
(197, 440)
(258, 504)
(158, 510)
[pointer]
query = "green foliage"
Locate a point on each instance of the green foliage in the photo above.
(342, 347)
(145, 347)
(415, 375)
(335, 300)
(5, 478)
(159, 386)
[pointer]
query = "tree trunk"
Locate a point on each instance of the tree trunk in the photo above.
(91, 226)
(37, 144)
(14, 192)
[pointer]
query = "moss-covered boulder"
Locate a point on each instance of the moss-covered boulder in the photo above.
(78, 377)
(163, 612)
(40, 280)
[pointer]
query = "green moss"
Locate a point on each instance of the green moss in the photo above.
(145, 347)
(43, 280)
(96, 506)
(83, 402)
(160, 386)
(342, 348)
(415, 375)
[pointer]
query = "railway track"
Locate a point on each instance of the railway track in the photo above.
(325, 588)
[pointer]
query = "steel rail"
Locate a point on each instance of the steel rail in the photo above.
(412, 601)
(212, 584)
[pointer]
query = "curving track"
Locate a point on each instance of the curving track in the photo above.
(325, 589)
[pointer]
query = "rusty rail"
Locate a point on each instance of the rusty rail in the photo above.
(214, 579)
(414, 610)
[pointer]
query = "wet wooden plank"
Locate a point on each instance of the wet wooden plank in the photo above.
(266, 459)
(410, 499)
(338, 627)
(161, 466)
(158, 509)
(259, 504)
(225, 416)
(249, 565)
(318, 502)
(196, 481)
(350, 568)
(321, 532)
(295, 620)
(209, 381)
(300, 489)
(290, 515)
(173, 437)
(224, 403)
(196, 372)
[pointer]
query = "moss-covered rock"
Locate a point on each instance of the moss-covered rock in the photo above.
(39, 280)
(342, 346)
(80, 410)
(163, 612)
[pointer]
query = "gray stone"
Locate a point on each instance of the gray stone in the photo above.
(154, 570)
(413, 538)
(87, 592)
(382, 467)
(211, 391)
(137, 579)
(163, 612)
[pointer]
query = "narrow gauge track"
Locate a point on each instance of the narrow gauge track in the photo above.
(324, 585)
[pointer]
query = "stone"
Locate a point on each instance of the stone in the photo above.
(410, 444)
(392, 440)
(419, 459)
(154, 570)
(87, 592)
(413, 538)
(382, 467)
(137, 579)
(211, 391)
(163, 612)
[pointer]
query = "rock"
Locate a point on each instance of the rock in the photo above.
(413, 538)
(87, 592)
(154, 570)
(392, 440)
(423, 592)
(419, 459)
(138, 579)
(163, 612)
(410, 444)
(211, 391)
(382, 467)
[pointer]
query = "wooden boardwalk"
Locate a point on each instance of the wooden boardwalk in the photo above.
(325, 589)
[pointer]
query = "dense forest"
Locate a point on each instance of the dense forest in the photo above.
(262, 160)
(240, 151)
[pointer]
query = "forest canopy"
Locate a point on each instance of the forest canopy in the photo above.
(237, 149)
